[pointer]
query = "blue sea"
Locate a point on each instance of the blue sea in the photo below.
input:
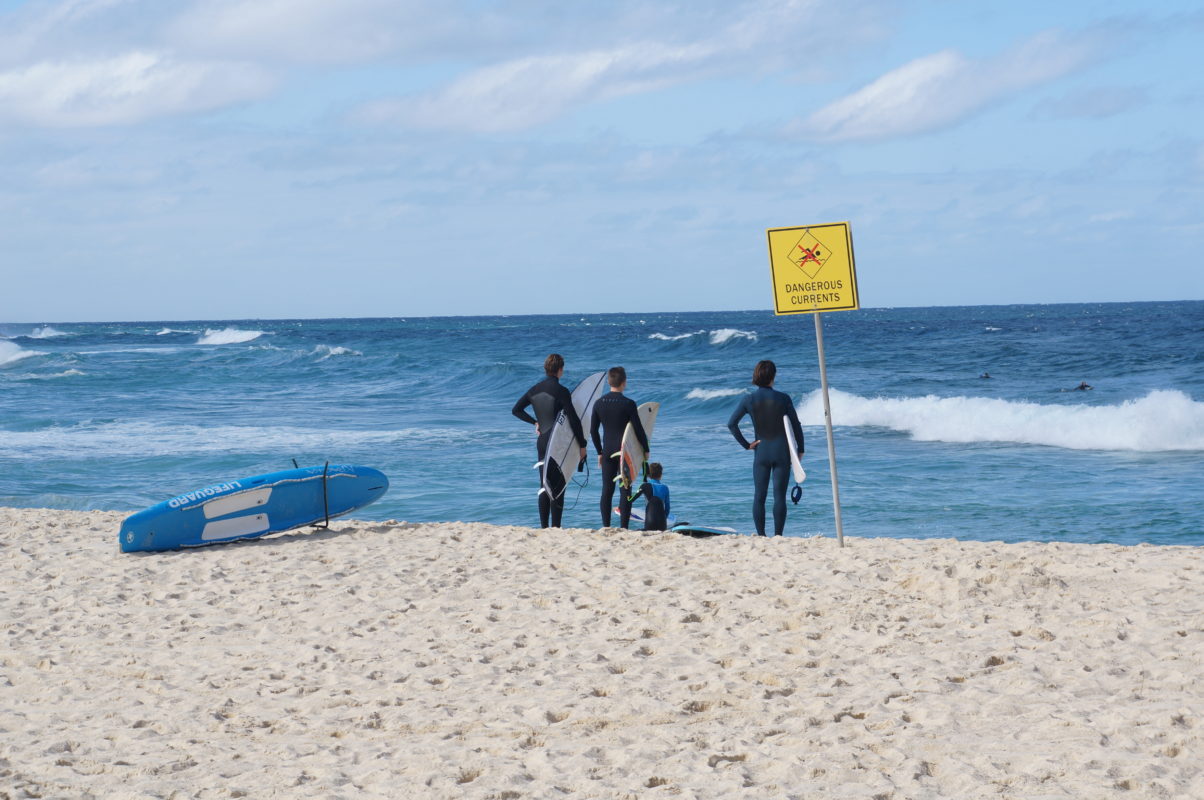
(119, 416)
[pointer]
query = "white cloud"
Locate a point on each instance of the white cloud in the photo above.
(87, 52)
(940, 89)
(524, 92)
(123, 89)
(39, 31)
(700, 40)
(309, 31)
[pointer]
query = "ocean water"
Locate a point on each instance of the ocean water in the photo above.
(122, 415)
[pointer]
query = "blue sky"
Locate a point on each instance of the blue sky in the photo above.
(215, 159)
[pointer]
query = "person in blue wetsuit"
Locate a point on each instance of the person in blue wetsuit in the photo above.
(612, 412)
(548, 398)
(656, 515)
(771, 453)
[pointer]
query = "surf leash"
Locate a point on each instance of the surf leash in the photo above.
(580, 486)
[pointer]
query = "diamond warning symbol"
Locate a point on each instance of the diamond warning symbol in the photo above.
(809, 254)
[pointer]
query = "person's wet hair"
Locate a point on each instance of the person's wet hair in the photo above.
(553, 364)
(764, 373)
(655, 470)
(616, 377)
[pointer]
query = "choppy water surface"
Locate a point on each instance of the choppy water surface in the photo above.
(122, 415)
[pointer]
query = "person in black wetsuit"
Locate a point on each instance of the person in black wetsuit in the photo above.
(548, 398)
(612, 412)
(771, 452)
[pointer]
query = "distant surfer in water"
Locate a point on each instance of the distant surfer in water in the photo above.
(1082, 387)
(548, 398)
(771, 454)
(612, 412)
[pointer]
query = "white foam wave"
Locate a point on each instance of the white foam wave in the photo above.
(46, 332)
(725, 335)
(712, 394)
(325, 351)
(148, 440)
(110, 350)
(167, 331)
(991, 328)
(721, 336)
(70, 373)
(228, 336)
(11, 353)
(1162, 421)
(664, 337)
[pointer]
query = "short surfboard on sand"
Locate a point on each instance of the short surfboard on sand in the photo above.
(638, 516)
(248, 508)
(702, 531)
(631, 453)
(685, 528)
(564, 452)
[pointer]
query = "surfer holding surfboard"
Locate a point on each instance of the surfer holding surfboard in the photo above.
(771, 411)
(613, 412)
(548, 399)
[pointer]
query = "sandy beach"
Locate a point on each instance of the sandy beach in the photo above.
(469, 660)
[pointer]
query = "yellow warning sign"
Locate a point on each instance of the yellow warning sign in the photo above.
(812, 269)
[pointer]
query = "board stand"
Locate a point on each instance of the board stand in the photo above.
(326, 498)
(823, 382)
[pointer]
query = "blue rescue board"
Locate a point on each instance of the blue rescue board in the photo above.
(252, 507)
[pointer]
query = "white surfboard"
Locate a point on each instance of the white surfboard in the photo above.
(563, 450)
(796, 466)
(631, 453)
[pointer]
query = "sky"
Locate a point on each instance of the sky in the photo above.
(243, 159)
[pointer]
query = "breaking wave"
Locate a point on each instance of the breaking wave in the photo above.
(11, 353)
(325, 351)
(70, 373)
(720, 336)
(664, 337)
(1162, 421)
(712, 394)
(228, 336)
(725, 335)
(146, 439)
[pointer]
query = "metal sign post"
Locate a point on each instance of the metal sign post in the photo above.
(823, 382)
(812, 271)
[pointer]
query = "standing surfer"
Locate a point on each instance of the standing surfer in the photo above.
(613, 412)
(771, 453)
(548, 398)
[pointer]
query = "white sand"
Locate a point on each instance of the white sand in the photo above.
(468, 660)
